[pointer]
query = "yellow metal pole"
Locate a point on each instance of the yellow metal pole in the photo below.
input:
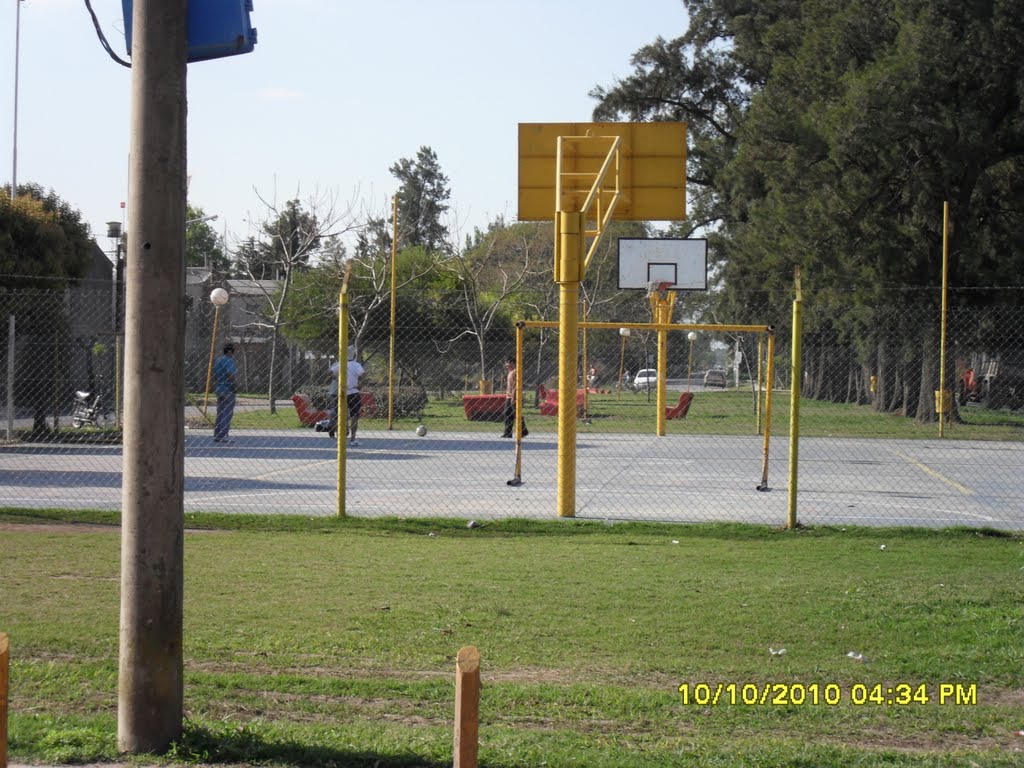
(622, 363)
(663, 315)
(760, 380)
(569, 237)
(209, 367)
(770, 375)
(942, 401)
(394, 294)
(341, 421)
(519, 392)
(794, 404)
(586, 367)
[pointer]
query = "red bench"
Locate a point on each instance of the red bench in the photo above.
(308, 417)
(679, 410)
(484, 407)
(549, 402)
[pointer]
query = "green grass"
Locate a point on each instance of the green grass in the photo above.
(331, 641)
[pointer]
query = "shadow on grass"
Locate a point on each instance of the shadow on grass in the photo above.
(245, 745)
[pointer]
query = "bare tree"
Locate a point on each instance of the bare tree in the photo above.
(291, 234)
(493, 272)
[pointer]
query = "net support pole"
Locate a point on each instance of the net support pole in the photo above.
(794, 406)
(568, 264)
(942, 401)
(770, 376)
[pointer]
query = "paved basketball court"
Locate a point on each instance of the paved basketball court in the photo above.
(679, 478)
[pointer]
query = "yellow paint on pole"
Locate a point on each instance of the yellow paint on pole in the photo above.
(568, 327)
(770, 376)
(796, 369)
(467, 708)
(940, 399)
(213, 346)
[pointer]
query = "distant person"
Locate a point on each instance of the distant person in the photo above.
(510, 400)
(591, 377)
(224, 372)
(353, 398)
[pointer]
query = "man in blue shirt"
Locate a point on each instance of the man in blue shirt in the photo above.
(224, 371)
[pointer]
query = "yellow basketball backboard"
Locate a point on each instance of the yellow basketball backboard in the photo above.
(652, 170)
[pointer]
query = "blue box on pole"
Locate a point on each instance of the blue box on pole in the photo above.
(216, 28)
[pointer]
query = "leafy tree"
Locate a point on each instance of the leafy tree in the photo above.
(490, 276)
(42, 236)
(827, 136)
(422, 200)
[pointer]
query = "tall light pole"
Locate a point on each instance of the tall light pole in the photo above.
(690, 337)
(114, 232)
(17, 49)
(218, 297)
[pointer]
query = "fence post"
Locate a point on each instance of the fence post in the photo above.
(5, 664)
(467, 707)
(10, 377)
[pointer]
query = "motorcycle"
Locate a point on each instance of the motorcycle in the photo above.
(87, 409)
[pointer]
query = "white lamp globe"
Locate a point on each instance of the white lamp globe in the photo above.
(624, 331)
(692, 335)
(219, 297)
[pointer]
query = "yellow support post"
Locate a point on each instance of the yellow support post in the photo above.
(586, 367)
(569, 237)
(394, 294)
(661, 309)
(341, 420)
(760, 380)
(213, 346)
(770, 376)
(794, 404)
(941, 400)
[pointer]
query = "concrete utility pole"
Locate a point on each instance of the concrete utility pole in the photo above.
(150, 679)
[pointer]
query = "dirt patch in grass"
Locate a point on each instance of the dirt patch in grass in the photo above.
(76, 528)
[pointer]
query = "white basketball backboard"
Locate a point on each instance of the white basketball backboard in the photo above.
(682, 263)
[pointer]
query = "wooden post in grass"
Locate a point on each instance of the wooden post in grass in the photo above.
(467, 707)
(5, 664)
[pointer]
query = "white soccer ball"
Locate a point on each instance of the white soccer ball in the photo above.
(421, 430)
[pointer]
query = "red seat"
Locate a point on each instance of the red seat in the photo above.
(484, 407)
(679, 410)
(549, 403)
(307, 416)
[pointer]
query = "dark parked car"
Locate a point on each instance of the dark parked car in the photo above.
(715, 378)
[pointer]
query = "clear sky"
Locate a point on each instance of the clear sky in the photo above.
(335, 93)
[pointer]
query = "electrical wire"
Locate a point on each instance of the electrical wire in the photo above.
(103, 39)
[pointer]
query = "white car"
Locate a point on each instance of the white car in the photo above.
(645, 379)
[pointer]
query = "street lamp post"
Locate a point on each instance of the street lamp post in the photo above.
(17, 50)
(218, 297)
(624, 333)
(691, 337)
(114, 232)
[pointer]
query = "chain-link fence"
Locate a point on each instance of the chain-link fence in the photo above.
(871, 450)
